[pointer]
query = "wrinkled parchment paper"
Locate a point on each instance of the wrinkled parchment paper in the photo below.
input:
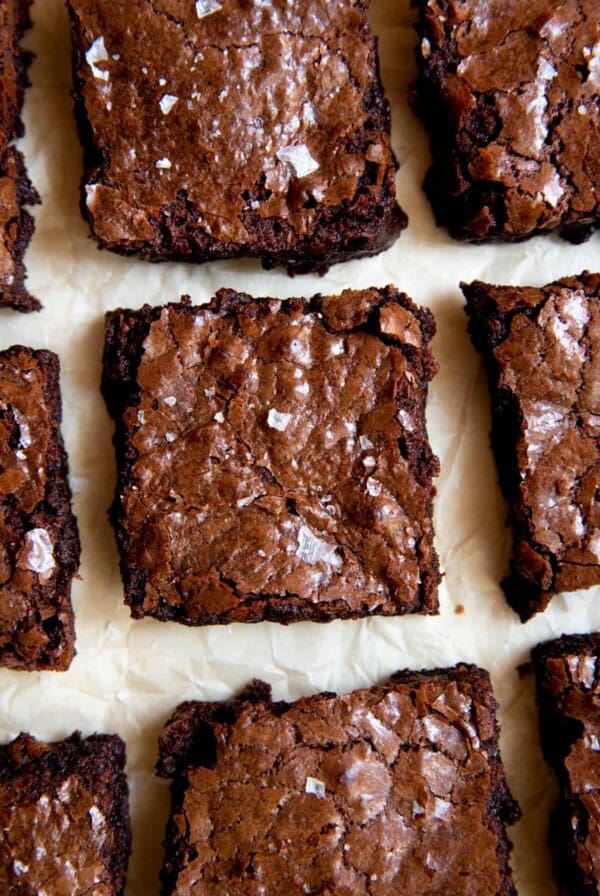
(128, 676)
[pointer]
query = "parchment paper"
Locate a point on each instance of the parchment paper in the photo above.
(128, 676)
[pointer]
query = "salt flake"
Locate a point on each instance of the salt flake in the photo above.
(312, 549)
(299, 158)
(97, 53)
(316, 787)
(207, 7)
(278, 420)
(163, 163)
(39, 552)
(167, 102)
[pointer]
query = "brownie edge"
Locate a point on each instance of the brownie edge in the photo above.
(568, 692)
(351, 774)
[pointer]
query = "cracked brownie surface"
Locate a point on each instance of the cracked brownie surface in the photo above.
(510, 92)
(568, 690)
(273, 460)
(398, 786)
(39, 542)
(16, 191)
(541, 348)
(65, 817)
(234, 128)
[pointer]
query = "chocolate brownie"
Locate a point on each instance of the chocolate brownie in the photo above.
(397, 788)
(16, 191)
(65, 817)
(222, 129)
(39, 543)
(541, 348)
(568, 691)
(272, 457)
(510, 92)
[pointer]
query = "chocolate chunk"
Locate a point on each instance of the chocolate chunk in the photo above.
(397, 788)
(65, 817)
(273, 460)
(234, 129)
(39, 543)
(541, 348)
(511, 95)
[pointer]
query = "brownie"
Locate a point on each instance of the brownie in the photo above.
(568, 691)
(39, 543)
(541, 348)
(65, 817)
(510, 92)
(396, 788)
(226, 129)
(16, 190)
(273, 460)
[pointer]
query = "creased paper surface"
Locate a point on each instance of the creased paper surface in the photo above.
(128, 676)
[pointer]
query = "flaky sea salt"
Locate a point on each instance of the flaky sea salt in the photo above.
(316, 787)
(278, 420)
(312, 549)
(299, 158)
(207, 7)
(38, 552)
(167, 102)
(97, 53)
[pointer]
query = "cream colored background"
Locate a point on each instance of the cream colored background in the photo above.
(128, 676)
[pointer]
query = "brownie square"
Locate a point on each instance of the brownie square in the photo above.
(222, 129)
(65, 817)
(510, 93)
(16, 191)
(393, 789)
(541, 348)
(39, 543)
(272, 457)
(568, 693)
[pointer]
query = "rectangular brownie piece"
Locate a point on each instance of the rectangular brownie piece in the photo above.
(510, 93)
(568, 690)
(39, 542)
(16, 191)
(234, 128)
(396, 788)
(64, 814)
(273, 460)
(541, 348)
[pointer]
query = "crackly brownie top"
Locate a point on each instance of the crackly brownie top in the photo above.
(522, 78)
(399, 783)
(543, 348)
(277, 450)
(569, 693)
(263, 107)
(57, 804)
